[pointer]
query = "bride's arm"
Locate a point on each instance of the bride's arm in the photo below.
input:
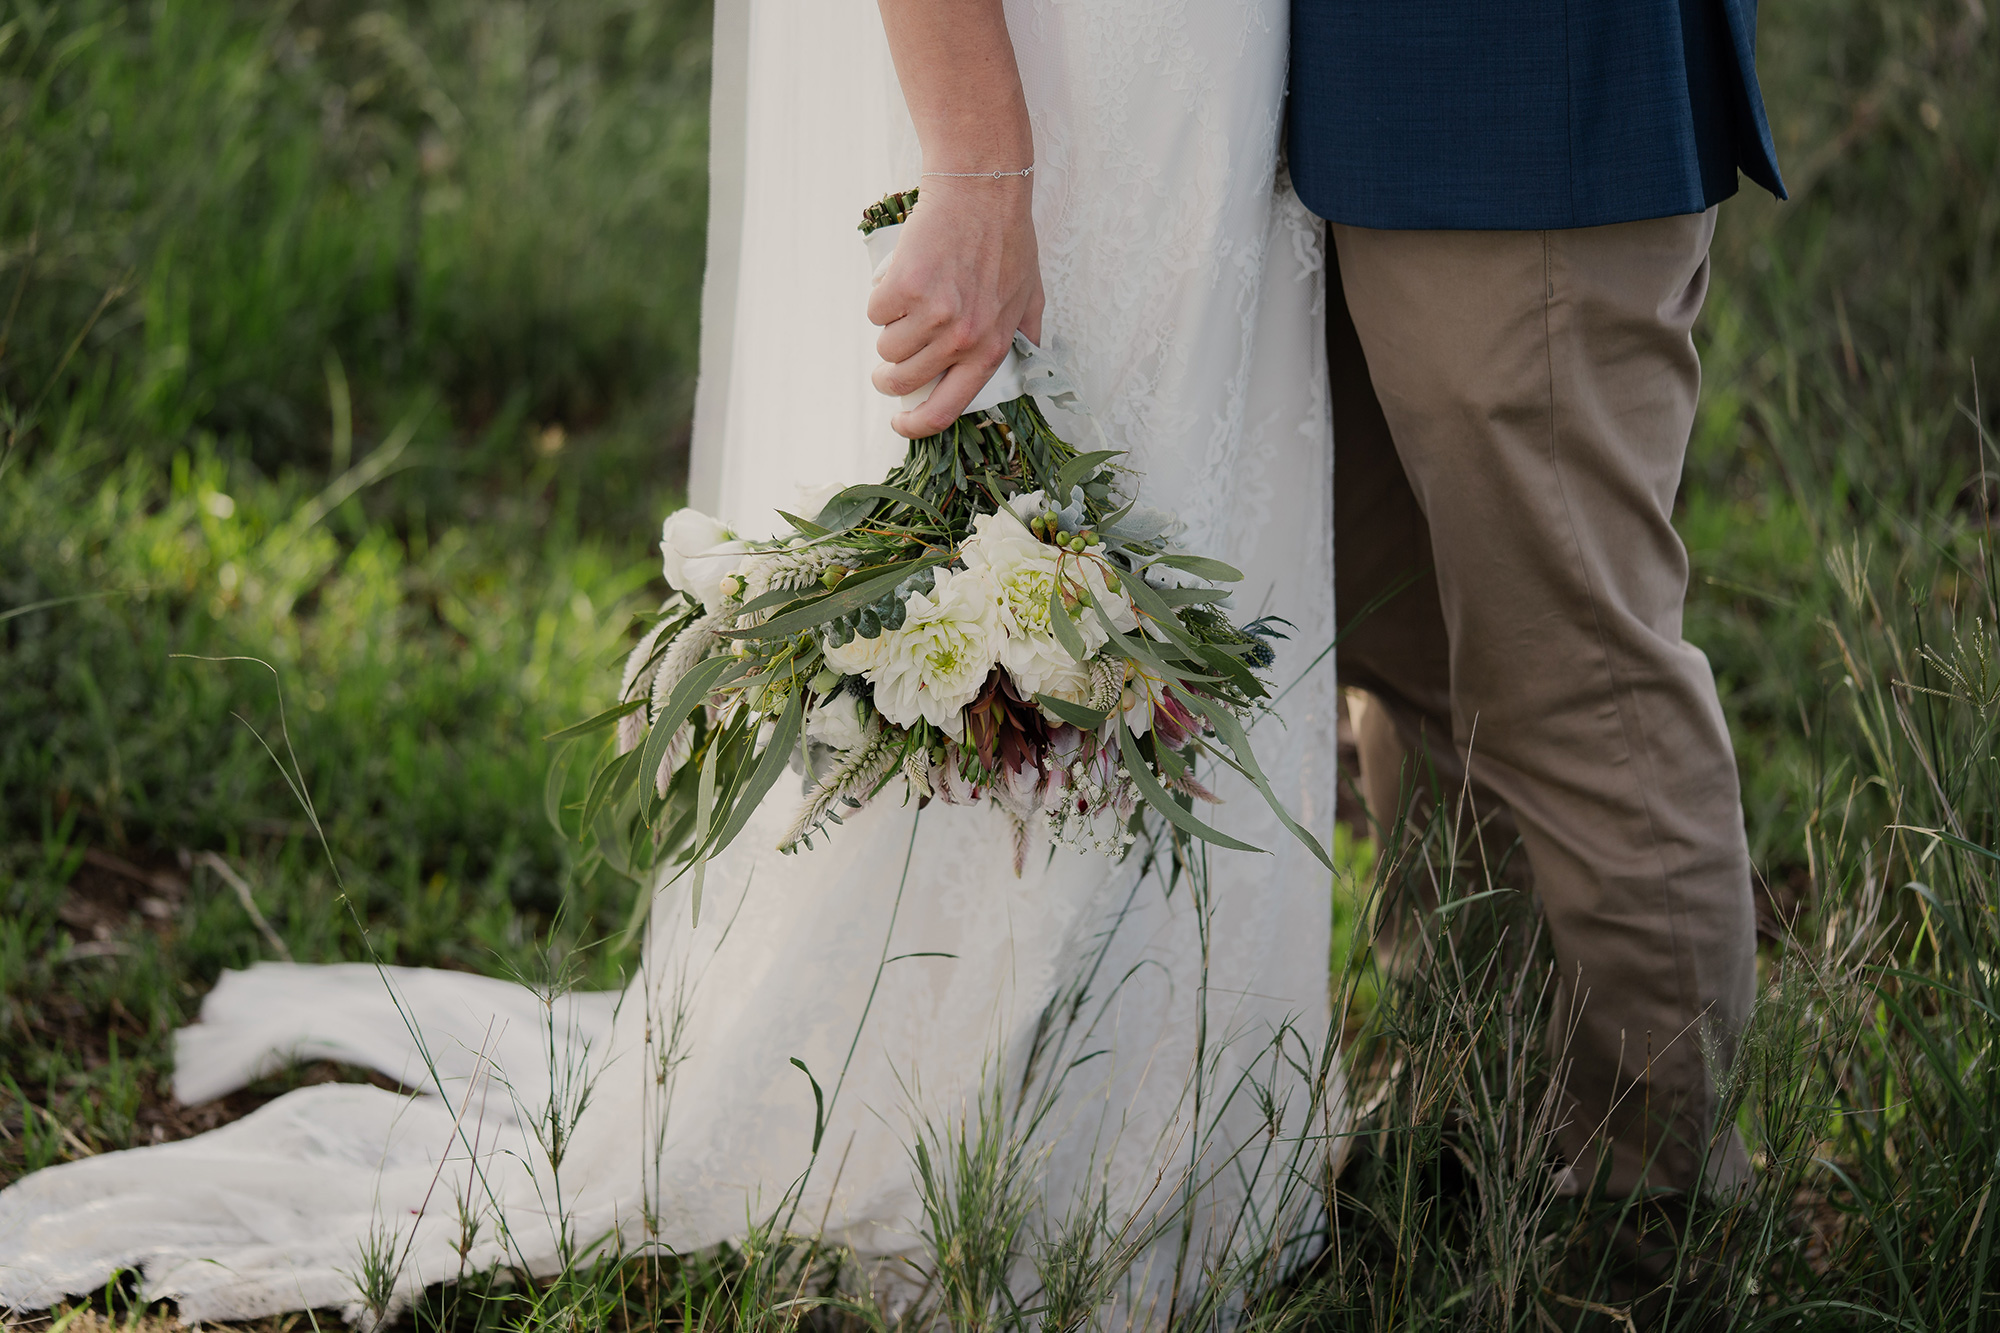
(965, 274)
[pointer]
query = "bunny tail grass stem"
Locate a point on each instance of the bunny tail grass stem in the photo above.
(853, 779)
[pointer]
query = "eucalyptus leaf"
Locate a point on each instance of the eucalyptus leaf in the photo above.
(731, 745)
(1142, 650)
(777, 757)
(705, 675)
(1156, 796)
(1147, 599)
(553, 783)
(1223, 660)
(1081, 467)
(895, 494)
(779, 597)
(1065, 629)
(608, 777)
(597, 723)
(1083, 719)
(611, 848)
(843, 512)
(681, 829)
(704, 810)
(805, 526)
(1232, 734)
(853, 594)
(1201, 567)
(1188, 596)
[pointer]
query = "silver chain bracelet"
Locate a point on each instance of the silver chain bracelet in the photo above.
(979, 175)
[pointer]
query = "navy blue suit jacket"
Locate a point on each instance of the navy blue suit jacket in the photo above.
(1523, 114)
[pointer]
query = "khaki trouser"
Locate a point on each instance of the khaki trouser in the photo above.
(1511, 413)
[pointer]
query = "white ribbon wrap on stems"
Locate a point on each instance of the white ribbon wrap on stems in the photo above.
(1008, 382)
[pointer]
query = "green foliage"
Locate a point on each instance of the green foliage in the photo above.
(1846, 336)
(499, 200)
(415, 678)
(332, 336)
(975, 1178)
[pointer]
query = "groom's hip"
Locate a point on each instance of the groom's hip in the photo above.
(1513, 408)
(1540, 383)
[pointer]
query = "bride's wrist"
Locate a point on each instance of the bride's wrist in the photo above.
(983, 194)
(996, 175)
(978, 184)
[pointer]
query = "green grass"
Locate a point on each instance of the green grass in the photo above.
(1846, 337)
(358, 339)
(354, 339)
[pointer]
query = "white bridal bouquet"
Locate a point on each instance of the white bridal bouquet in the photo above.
(998, 620)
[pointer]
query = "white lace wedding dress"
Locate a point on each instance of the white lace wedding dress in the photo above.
(902, 963)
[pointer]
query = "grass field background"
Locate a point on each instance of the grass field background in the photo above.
(358, 338)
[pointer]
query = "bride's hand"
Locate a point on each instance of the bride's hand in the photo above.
(964, 277)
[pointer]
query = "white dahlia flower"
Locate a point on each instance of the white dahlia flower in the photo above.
(937, 662)
(1026, 571)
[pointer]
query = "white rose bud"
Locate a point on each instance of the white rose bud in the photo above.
(838, 722)
(686, 533)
